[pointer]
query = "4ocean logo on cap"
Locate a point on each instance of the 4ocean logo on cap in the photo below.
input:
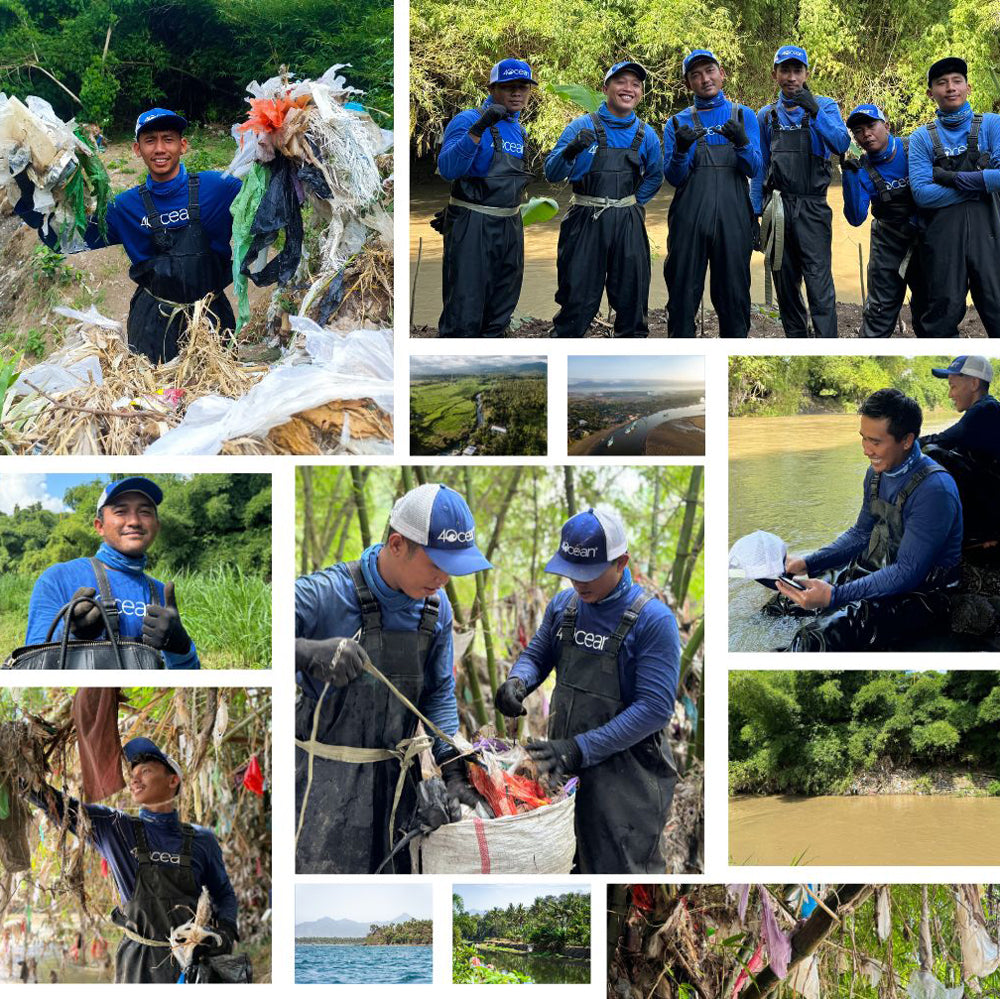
(450, 536)
(577, 551)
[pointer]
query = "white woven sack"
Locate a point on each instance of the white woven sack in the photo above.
(541, 841)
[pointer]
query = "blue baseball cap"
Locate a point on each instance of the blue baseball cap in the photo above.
(631, 67)
(788, 52)
(135, 484)
(140, 748)
(968, 364)
(439, 519)
(589, 543)
(870, 111)
(159, 118)
(699, 55)
(509, 70)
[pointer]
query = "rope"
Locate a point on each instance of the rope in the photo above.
(500, 213)
(309, 778)
(772, 236)
(132, 935)
(601, 204)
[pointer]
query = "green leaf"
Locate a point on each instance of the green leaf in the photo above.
(577, 93)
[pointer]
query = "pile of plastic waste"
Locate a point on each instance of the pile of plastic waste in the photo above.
(509, 781)
(59, 160)
(305, 141)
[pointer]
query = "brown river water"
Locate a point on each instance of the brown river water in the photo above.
(869, 830)
(540, 241)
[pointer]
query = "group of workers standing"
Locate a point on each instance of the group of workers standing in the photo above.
(743, 181)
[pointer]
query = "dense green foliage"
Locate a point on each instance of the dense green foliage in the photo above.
(193, 56)
(464, 972)
(551, 923)
(814, 731)
(443, 415)
(858, 52)
(786, 386)
(412, 933)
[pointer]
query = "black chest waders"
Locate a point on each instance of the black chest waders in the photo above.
(182, 270)
(603, 243)
(977, 475)
(484, 247)
(895, 261)
(165, 896)
(961, 245)
(356, 756)
(796, 231)
(899, 622)
(709, 225)
(623, 802)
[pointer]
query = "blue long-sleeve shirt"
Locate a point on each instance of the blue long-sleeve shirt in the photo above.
(59, 582)
(128, 224)
(327, 606)
(648, 664)
(932, 535)
(712, 112)
(828, 131)
(978, 430)
(859, 191)
(461, 157)
(620, 135)
(114, 839)
(953, 130)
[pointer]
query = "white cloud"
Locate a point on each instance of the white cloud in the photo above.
(24, 490)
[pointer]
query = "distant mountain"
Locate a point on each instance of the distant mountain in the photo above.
(583, 385)
(435, 367)
(327, 927)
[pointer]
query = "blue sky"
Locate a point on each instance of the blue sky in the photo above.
(366, 903)
(33, 487)
(684, 368)
(486, 897)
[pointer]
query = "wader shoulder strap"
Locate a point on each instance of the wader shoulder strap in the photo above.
(906, 144)
(568, 624)
(913, 481)
(104, 588)
(497, 141)
(187, 841)
(736, 113)
(161, 239)
(973, 144)
(371, 616)
(878, 181)
(873, 485)
(640, 134)
(141, 843)
(599, 131)
(932, 131)
(627, 622)
(194, 208)
(429, 615)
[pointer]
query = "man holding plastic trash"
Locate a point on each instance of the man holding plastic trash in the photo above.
(357, 756)
(159, 865)
(616, 652)
(614, 162)
(127, 522)
(483, 156)
(175, 228)
(900, 558)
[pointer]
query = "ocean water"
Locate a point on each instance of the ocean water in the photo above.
(347, 964)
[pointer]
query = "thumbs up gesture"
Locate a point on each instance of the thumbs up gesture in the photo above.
(162, 628)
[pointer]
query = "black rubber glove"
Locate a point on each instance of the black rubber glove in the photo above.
(755, 234)
(686, 136)
(805, 100)
(162, 628)
(946, 178)
(456, 780)
(556, 756)
(583, 139)
(493, 114)
(509, 698)
(849, 165)
(734, 132)
(86, 622)
(331, 660)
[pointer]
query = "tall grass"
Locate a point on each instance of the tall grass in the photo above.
(227, 613)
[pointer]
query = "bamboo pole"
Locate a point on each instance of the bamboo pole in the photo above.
(305, 476)
(359, 502)
(654, 526)
(684, 541)
(570, 491)
(692, 559)
(687, 656)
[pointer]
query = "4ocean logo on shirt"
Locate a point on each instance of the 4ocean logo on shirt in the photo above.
(590, 639)
(158, 856)
(168, 218)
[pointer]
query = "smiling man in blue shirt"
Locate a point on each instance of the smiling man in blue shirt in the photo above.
(175, 228)
(388, 607)
(616, 651)
(127, 521)
(614, 162)
(902, 554)
(159, 865)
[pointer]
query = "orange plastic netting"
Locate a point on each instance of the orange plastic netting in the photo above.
(508, 794)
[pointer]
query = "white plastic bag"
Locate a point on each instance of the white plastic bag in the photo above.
(804, 978)
(92, 317)
(923, 985)
(980, 953)
(54, 378)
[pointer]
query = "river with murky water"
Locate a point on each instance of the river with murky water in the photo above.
(800, 478)
(544, 970)
(540, 242)
(867, 830)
